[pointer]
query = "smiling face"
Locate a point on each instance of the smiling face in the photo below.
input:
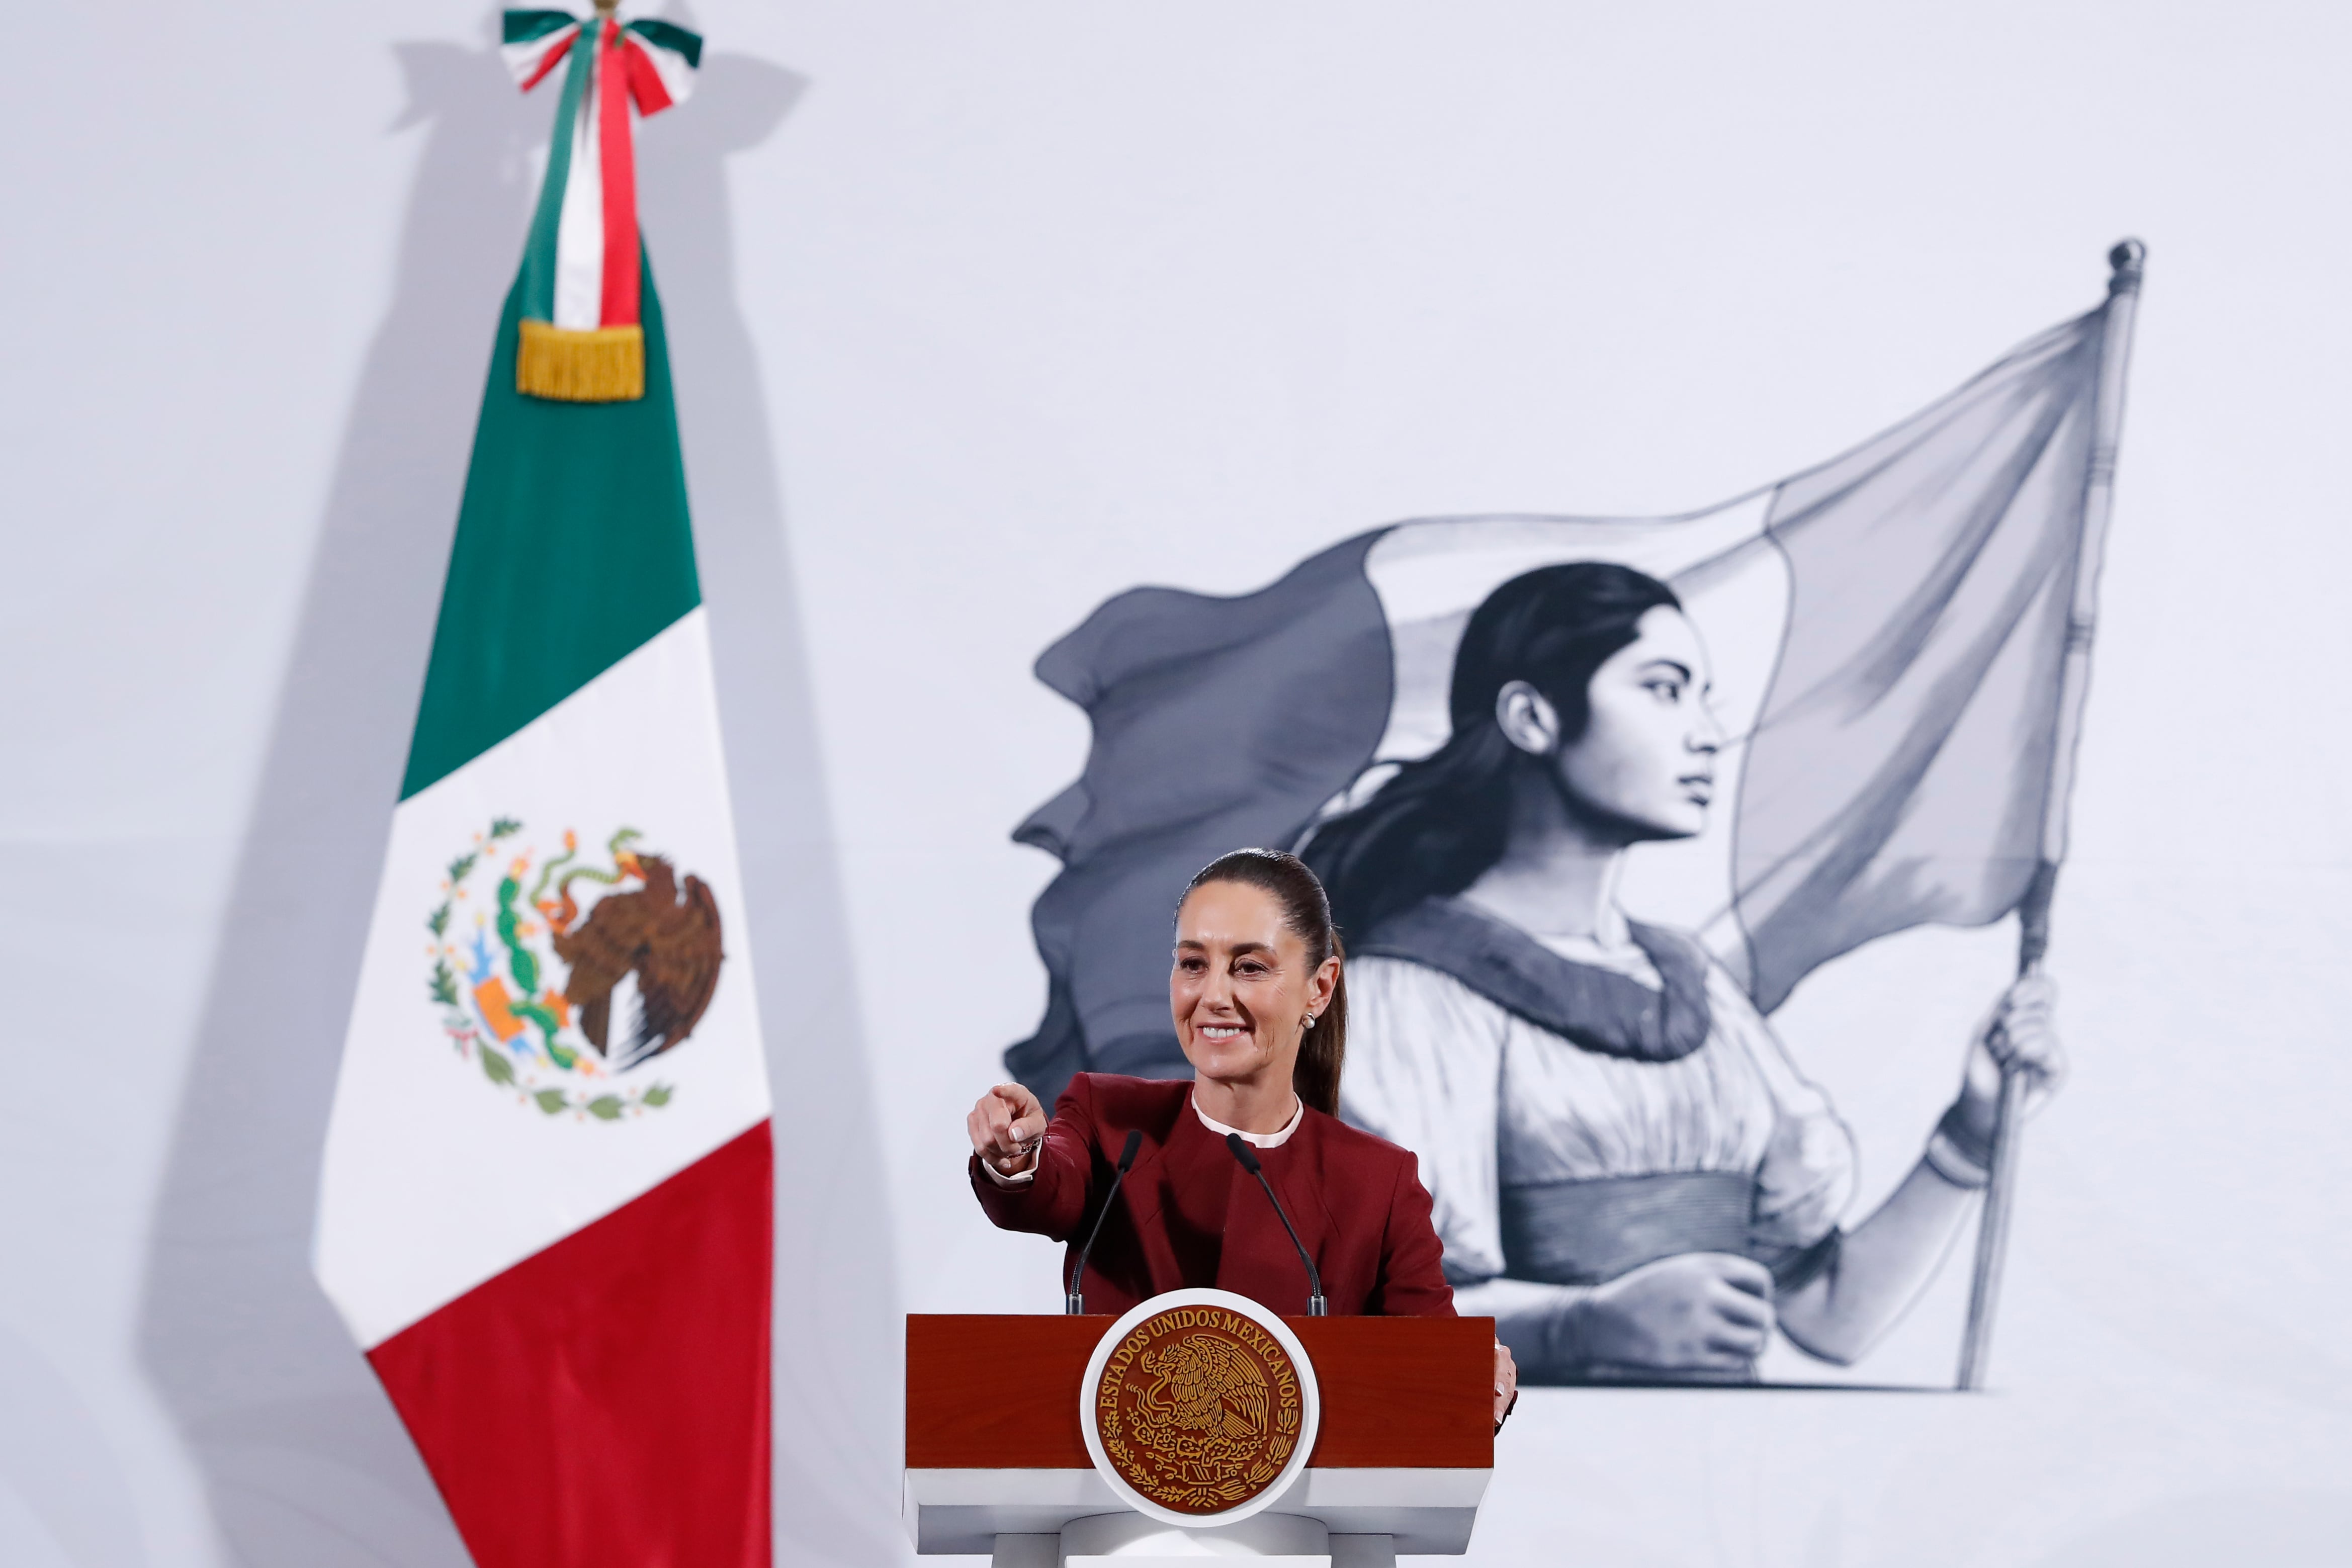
(1644, 766)
(1241, 985)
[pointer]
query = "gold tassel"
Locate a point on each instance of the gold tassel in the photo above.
(602, 364)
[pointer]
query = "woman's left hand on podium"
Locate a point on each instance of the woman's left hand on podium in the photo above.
(1507, 1382)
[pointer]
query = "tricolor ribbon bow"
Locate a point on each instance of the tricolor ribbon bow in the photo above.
(581, 337)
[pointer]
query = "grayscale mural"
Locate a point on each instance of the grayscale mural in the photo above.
(1829, 710)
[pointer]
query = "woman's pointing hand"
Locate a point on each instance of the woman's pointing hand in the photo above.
(1005, 1126)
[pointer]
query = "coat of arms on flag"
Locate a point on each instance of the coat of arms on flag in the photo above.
(558, 976)
(1591, 796)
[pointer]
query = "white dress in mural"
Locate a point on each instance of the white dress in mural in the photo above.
(1557, 1164)
(1496, 1104)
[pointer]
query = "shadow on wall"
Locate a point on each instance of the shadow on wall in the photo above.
(62, 1485)
(303, 1460)
(837, 1327)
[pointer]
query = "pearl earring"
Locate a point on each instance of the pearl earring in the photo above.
(1310, 1021)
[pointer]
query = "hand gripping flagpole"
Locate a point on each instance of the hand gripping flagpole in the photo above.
(2127, 260)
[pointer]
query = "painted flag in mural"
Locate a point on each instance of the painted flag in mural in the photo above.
(545, 1205)
(1887, 630)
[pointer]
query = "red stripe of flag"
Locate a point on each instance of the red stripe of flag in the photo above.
(547, 61)
(620, 306)
(604, 1403)
(645, 81)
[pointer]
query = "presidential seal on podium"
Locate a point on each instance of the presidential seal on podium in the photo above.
(1199, 1407)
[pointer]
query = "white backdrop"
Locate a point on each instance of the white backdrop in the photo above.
(982, 313)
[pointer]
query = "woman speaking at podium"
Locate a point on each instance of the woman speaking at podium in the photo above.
(1261, 1011)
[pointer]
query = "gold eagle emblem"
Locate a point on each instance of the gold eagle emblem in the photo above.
(1207, 1386)
(1199, 1409)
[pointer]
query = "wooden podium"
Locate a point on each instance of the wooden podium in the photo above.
(997, 1458)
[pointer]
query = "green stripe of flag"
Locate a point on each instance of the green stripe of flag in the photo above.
(671, 37)
(522, 26)
(573, 549)
(539, 250)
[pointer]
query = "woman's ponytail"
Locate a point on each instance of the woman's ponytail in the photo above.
(1323, 1054)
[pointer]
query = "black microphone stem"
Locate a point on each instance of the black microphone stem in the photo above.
(1074, 1298)
(1315, 1306)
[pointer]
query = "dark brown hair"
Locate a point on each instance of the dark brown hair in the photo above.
(1438, 824)
(1324, 1049)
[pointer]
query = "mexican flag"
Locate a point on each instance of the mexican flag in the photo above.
(545, 1204)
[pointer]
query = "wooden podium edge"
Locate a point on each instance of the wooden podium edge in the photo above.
(999, 1391)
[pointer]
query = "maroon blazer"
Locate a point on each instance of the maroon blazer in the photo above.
(1189, 1215)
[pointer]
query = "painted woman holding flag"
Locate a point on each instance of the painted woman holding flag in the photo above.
(1629, 1172)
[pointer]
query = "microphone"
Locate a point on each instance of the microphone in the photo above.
(1074, 1301)
(1315, 1306)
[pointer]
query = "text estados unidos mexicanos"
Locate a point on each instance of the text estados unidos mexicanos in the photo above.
(1241, 1327)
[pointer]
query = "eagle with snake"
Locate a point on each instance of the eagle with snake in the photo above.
(656, 939)
(1207, 1386)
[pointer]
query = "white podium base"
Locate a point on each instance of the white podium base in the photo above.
(1130, 1541)
(1021, 1513)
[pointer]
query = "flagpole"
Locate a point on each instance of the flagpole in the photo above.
(2127, 261)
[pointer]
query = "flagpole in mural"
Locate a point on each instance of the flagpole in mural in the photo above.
(545, 1204)
(2129, 260)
